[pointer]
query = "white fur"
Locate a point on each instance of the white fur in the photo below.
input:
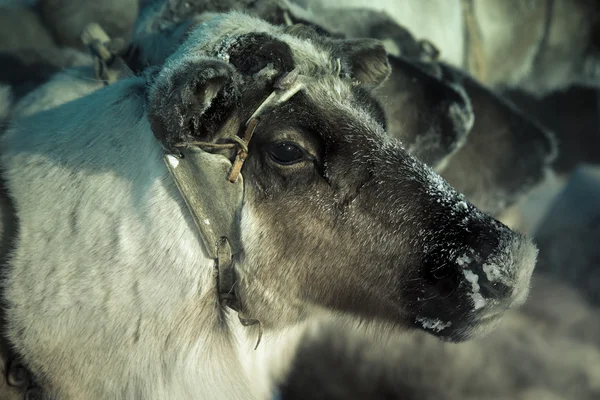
(149, 303)
(127, 306)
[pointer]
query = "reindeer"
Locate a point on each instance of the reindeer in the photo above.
(330, 216)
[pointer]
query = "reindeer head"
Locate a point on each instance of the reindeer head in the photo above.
(336, 214)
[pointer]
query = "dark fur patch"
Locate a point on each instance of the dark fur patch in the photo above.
(254, 51)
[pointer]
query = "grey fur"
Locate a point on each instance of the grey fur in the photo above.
(506, 154)
(432, 115)
(64, 87)
(28, 69)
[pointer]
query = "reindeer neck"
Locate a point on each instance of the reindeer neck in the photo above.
(128, 306)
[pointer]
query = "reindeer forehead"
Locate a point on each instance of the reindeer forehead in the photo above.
(326, 86)
(216, 36)
(338, 102)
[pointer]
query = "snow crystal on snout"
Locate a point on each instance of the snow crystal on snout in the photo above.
(478, 300)
(433, 324)
(463, 260)
(492, 272)
(445, 194)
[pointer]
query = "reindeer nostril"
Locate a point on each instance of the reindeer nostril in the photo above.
(445, 286)
(443, 280)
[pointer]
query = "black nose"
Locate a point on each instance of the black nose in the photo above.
(461, 267)
(472, 268)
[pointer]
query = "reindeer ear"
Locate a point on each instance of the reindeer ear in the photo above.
(191, 101)
(366, 59)
(429, 115)
(482, 144)
(506, 153)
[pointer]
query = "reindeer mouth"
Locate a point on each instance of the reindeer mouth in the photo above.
(468, 294)
(459, 329)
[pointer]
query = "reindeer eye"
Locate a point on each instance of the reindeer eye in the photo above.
(287, 153)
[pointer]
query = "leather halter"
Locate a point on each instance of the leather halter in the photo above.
(217, 215)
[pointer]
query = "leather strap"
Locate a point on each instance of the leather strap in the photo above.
(192, 173)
